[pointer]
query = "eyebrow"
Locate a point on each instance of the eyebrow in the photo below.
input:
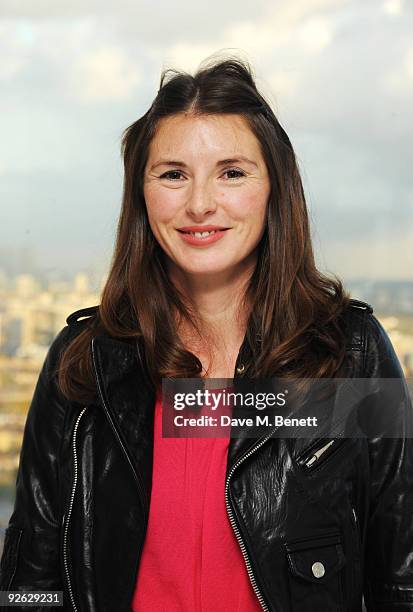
(222, 162)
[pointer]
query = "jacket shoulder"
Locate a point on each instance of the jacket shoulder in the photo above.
(78, 315)
(76, 322)
(367, 335)
(355, 316)
(360, 305)
(381, 360)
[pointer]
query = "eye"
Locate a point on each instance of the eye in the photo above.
(169, 173)
(238, 172)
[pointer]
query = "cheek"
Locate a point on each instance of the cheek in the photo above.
(161, 206)
(248, 205)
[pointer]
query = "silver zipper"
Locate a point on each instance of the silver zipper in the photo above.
(235, 528)
(356, 524)
(317, 454)
(69, 512)
(229, 509)
(354, 516)
(356, 534)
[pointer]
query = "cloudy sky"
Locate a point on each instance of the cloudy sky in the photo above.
(338, 74)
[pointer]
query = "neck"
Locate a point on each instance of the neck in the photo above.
(218, 303)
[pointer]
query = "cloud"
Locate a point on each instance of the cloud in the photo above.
(315, 34)
(49, 9)
(13, 51)
(393, 7)
(104, 73)
(338, 73)
(408, 64)
(285, 82)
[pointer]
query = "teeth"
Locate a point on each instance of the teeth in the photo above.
(201, 234)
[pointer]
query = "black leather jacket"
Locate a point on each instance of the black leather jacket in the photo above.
(84, 484)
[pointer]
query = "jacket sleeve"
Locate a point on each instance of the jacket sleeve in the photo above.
(388, 583)
(30, 558)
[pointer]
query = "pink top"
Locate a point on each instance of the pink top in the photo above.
(191, 560)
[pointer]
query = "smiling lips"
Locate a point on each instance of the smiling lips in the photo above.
(202, 235)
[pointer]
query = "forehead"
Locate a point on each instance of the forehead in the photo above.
(201, 134)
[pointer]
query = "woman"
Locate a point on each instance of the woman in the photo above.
(121, 519)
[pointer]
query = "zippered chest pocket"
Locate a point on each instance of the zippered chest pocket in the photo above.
(320, 451)
(315, 573)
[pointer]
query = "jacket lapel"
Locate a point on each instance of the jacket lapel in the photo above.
(129, 401)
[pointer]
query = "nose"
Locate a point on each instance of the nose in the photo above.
(201, 200)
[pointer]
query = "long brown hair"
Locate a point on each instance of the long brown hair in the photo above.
(295, 310)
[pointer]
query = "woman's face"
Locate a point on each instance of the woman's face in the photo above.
(202, 173)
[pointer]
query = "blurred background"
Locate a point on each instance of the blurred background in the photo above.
(73, 75)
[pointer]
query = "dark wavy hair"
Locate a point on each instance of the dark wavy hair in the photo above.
(294, 308)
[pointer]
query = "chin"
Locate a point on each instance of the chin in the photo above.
(207, 270)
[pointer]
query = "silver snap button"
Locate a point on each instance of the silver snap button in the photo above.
(318, 569)
(240, 368)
